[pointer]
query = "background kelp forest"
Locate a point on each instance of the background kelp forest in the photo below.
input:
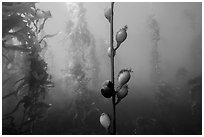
(32, 97)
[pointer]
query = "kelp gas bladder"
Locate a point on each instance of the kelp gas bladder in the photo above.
(108, 89)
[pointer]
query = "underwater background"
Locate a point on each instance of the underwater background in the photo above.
(163, 49)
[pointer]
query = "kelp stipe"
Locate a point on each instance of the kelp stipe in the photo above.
(108, 89)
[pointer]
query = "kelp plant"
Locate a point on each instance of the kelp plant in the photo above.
(23, 23)
(108, 89)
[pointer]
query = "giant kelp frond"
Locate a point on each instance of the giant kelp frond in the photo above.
(22, 25)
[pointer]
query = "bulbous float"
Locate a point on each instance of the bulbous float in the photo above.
(121, 35)
(9, 66)
(123, 77)
(105, 120)
(107, 89)
(122, 92)
(107, 14)
(109, 52)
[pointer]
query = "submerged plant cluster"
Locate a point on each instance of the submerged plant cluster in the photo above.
(23, 37)
(26, 82)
